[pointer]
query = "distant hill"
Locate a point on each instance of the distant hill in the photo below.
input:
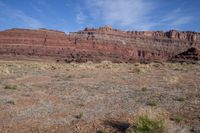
(99, 44)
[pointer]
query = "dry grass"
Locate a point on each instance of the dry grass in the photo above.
(50, 95)
(150, 120)
(154, 120)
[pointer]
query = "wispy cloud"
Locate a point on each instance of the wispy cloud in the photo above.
(121, 12)
(26, 20)
(182, 20)
(134, 14)
(18, 16)
(176, 18)
(80, 18)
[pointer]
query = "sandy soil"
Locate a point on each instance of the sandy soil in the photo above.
(90, 98)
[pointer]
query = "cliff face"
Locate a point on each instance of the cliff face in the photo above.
(98, 44)
(191, 54)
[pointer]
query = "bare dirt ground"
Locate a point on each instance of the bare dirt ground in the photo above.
(43, 97)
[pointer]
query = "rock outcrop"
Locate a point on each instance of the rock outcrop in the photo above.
(192, 54)
(96, 45)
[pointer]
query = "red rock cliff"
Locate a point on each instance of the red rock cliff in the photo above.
(100, 44)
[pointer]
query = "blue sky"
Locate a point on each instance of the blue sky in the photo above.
(73, 15)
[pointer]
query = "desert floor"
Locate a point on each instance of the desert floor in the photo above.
(43, 97)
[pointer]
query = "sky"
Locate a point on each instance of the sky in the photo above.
(74, 15)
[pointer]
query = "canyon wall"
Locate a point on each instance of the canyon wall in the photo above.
(99, 44)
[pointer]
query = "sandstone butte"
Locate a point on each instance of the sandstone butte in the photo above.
(101, 44)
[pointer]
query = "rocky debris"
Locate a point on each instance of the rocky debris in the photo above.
(97, 45)
(192, 54)
(106, 96)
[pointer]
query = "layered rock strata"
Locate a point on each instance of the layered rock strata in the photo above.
(99, 44)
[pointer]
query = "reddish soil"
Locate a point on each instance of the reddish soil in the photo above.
(49, 97)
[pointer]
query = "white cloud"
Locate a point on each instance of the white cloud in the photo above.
(182, 20)
(135, 14)
(126, 14)
(175, 19)
(18, 16)
(80, 18)
(27, 20)
(121, 12)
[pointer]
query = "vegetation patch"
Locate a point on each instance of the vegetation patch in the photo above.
(157, 65)
(147, 125)
(144, 89)
(10, 102)
(180, 99)
(178, 118)
(104, 131)
(80, 116)
(151, 103)
(10, 87)
(149, 121)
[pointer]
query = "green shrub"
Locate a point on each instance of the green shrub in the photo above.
(80, 116)
(144, 88)
(156, 65)
(151, 103)
(178, 118)
(146, 125)
(104, 131)
(11, 102)
(10, 87)
(180, 99)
